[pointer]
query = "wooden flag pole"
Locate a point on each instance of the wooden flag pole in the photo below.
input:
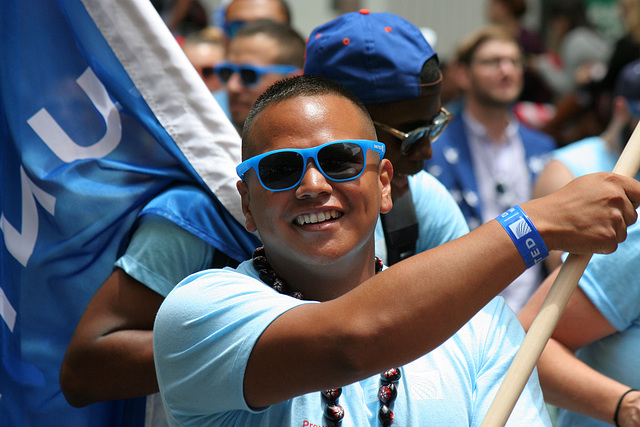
(549, 314)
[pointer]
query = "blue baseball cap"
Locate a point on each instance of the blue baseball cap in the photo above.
(628, 86)
(377, 56)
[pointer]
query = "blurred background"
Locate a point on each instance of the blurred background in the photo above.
(448, 20)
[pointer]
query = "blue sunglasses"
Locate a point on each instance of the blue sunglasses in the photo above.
(250, 74)
(339, 161)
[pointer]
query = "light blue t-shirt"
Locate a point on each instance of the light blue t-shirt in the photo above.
(612, 283)
(586, 156)
(439, 217)
(161, 253)
(207, 326)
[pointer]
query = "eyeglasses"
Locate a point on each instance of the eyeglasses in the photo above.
(432, 131)
(497, 61)
(339, 161)
(250, 74)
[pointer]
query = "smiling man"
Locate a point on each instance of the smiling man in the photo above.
(315, 309)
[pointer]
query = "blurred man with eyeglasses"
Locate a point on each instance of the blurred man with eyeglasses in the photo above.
(486, 158)
(260, 54)
(387, 63)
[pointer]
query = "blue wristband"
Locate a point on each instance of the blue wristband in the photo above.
(524, 235)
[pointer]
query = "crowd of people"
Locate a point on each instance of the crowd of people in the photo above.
(400, 260)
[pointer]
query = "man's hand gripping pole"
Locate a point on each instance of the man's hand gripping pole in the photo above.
(549, 314)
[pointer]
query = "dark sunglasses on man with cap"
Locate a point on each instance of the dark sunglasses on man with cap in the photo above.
(409, 139)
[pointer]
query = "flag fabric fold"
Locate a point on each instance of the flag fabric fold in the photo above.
(100, 112)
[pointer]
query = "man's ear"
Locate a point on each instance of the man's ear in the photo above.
(385, 176)
(249, 223)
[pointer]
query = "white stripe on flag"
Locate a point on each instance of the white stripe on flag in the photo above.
(174, 91)
(7, 311)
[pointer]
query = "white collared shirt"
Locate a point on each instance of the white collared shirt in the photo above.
(503, 180)
(501, 171)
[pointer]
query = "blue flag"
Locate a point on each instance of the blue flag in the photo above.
(100, 112)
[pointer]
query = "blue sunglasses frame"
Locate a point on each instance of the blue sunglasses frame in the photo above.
(306, 154)
(259, 71)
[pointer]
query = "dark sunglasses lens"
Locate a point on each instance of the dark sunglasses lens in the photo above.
(248, 76)
(207, 71)
(416, 135)
(341, 161)
(224, 73)
(281, 170)
(438, 128)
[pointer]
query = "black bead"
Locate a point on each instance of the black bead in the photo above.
(297, 295)
(260, 262)
(332, 395)
(267, 276)
(387, 393)
(378, 264)
(391, 375)
(386, 415)
(334, 412)
(279, 285)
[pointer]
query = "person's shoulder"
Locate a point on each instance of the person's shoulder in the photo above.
(196, 282)
(423, 180)
(429, 192)
(586, 145)
(542, 140)
(495, 314)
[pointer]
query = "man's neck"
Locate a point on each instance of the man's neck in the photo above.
(325, 281)
(495, 118)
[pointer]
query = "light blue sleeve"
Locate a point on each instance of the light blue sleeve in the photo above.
(586, 156)
(612, 282)
(161, 254)
(439, 217)
(203, 335)
(503, 337)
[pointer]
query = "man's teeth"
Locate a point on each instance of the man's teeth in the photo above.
(315, 218)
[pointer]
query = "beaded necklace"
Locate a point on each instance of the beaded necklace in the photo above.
(333, 412)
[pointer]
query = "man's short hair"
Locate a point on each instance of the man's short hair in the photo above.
(467, 49)
(209, 35)
(295, 87)
(291, 45)
(284, 8)
(517, 8)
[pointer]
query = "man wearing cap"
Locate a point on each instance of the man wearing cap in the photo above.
(486, 158)
(387, 63)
